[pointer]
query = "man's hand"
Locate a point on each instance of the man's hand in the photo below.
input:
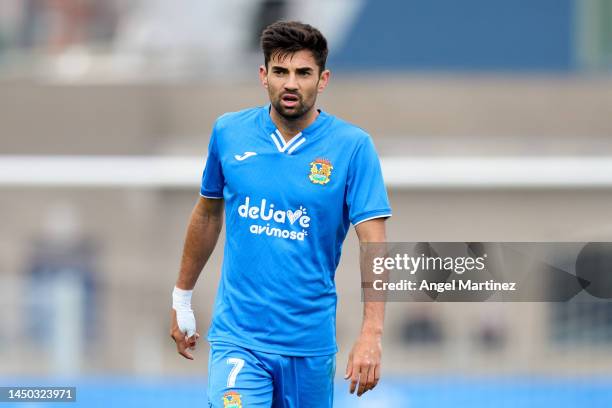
(183, 342)
(363, 366)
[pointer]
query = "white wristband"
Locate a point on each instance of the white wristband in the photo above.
(181, 302)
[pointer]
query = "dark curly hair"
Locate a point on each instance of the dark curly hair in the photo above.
(283, 38)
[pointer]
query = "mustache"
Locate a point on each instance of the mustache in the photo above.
(297, 95)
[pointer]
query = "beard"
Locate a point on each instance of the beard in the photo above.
(299, 110)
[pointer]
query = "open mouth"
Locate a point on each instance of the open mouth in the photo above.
(290, 100)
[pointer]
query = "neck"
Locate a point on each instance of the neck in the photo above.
(291, 127)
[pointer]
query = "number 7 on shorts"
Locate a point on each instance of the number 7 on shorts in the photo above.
(238, 363)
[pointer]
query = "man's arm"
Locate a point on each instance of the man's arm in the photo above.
(202, 235)
(364, 359)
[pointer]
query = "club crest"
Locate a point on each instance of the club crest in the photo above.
(231, 399)
(320, 171)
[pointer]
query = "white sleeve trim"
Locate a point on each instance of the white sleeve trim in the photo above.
(375, 216)
(214, 198)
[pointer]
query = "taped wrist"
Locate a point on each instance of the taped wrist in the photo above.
(181, 299)
(181, 302)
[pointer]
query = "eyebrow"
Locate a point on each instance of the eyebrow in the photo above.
(302, 70)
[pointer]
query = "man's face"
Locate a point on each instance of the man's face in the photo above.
(293, 83)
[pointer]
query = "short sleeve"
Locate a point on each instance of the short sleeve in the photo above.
(366, 196)
(212, 178)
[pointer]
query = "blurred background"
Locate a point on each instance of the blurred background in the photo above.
(493, 120)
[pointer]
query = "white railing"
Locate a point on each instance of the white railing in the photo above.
(401, 172)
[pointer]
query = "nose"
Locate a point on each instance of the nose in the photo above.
(291, 84)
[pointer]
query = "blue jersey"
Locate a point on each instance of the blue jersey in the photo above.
(288, 208)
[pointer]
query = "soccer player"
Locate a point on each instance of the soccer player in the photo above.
(291, 179)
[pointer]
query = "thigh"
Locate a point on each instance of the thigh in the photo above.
(305, 382)
(237, 378)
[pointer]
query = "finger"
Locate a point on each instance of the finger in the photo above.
(349, 367)
(354, 378)
(180, 347)
(354, 381)
(192, 341)
(376, 374)
(186, 355)
(363, 379)
(370, 382)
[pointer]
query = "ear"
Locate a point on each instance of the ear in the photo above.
(263, 76)
(323, 80)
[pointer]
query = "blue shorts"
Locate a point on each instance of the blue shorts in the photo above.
(243, 378)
